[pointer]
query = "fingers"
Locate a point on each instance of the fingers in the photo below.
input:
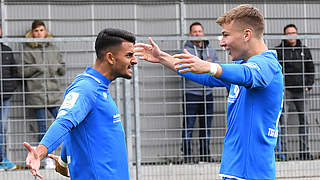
(54, 157)
(153, 44)
(35, 172)
(142, 45)
(139, 53)
(186, 52)
(183, 56)
(181, 61)
(184, 70)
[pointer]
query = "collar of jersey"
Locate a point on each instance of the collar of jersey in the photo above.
(271, 51)
(99, 77)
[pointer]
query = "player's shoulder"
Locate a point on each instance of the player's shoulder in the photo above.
(266, 57)
(84, 84)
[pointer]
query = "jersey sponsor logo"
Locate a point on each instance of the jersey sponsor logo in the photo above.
(70, 100)
(61, 113)
(234, 93)
(252, 65)
(116, 118)
(273, 133)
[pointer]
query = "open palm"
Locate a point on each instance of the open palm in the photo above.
(33, 160)
(150, 53)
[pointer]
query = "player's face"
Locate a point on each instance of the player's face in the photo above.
(291, 31)
(125, 60)
(39, 32)
(233, 41)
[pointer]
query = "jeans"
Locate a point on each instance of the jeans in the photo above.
(203, 107)
(42, 119)
(297, 98)
(4, 114)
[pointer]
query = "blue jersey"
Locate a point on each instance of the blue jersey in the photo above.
(254, 106)
(96, 141)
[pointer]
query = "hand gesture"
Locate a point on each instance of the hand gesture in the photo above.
(60, 169)
(150, 53)
(190, 63)
(33, 160)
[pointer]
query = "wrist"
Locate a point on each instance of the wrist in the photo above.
(62, 163)
(163, 56)
(213, 69)
(42, 151)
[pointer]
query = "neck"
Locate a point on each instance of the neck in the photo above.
(256, 46)
(105, 70)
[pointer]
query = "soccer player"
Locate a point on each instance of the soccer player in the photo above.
(255, 84)
(88, 118)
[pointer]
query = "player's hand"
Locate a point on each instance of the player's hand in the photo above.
(60, 169)
(150, 53)
(33, 160)
(190, 63)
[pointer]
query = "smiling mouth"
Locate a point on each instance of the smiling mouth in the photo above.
(130, 68)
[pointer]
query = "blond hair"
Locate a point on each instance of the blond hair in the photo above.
(246, 17)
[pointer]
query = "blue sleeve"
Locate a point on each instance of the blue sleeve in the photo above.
(256, 73)
(56, 133)
(63, 153)
(78, 102)
(205, 79)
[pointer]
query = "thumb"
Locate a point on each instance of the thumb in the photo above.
(186, 52)
(29, 147)
(153, 44)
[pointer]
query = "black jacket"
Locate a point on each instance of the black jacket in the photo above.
(297, 66)
(8, 70)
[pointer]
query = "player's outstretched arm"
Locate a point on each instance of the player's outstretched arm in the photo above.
(152, 53)
(187, 62)
(35, 155)
(61, 166)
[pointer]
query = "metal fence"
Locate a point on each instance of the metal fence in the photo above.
(152, 109)
(153, 116)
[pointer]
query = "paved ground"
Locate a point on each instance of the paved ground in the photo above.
(291, 170)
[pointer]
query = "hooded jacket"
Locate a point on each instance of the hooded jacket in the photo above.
(297, 65)
(203, 53)
(8, 72)
(42, 67)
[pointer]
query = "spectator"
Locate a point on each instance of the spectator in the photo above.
(197, 99)
(7, 86)
(298, 70)
(42, 67)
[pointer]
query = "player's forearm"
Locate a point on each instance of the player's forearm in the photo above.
(167, 60)
(42, 151)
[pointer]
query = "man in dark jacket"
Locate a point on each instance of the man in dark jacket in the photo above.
(298, 70)
(197, 100)
(8, 71)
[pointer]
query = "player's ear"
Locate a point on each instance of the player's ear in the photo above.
(109, 58)
(247, 33)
